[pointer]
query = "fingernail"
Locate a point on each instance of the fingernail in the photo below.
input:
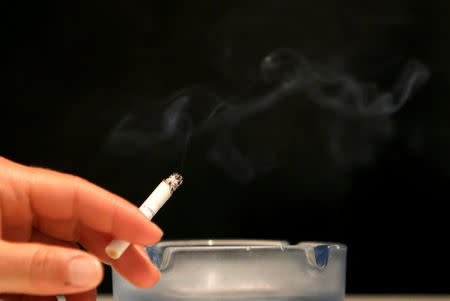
(84, 271)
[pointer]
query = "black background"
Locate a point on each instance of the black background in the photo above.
(75, 69)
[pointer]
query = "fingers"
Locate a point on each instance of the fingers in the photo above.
(39, 269)
(140, 270)
(89, 295)
(134, 264)
(58, 198)
(61, 229)
(15, 212)
(68, 208)
(45, 239)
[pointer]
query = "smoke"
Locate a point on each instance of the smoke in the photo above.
(295, 106)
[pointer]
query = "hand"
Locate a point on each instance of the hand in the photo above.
(43, 214)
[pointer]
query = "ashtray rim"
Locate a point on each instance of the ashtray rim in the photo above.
(198, 244)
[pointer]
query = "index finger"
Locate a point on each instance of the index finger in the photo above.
(60, 196)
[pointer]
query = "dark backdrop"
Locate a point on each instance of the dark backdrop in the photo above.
(278, 114)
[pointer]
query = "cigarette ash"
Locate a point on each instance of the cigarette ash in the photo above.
(174, 181)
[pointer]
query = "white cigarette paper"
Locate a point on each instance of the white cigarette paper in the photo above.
(149, 208)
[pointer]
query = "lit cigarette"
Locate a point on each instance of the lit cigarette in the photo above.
(149, 208)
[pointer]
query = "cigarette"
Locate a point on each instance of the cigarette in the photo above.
(149, 208)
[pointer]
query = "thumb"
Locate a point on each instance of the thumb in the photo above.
(40, 269)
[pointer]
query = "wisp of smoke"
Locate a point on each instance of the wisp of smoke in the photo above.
(357, 115)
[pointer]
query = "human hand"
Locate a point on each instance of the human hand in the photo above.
(44, 213)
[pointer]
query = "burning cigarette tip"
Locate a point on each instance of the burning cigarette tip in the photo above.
(174, 181)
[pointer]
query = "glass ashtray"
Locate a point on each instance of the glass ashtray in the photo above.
(242, 270)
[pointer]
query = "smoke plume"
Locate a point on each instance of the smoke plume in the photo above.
(253, 132)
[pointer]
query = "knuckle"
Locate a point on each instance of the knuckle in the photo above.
(40, 258)
(40, 265)
(78, 185)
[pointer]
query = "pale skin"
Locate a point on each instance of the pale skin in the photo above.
(44, 214)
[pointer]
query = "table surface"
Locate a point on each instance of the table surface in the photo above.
(362, 298)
